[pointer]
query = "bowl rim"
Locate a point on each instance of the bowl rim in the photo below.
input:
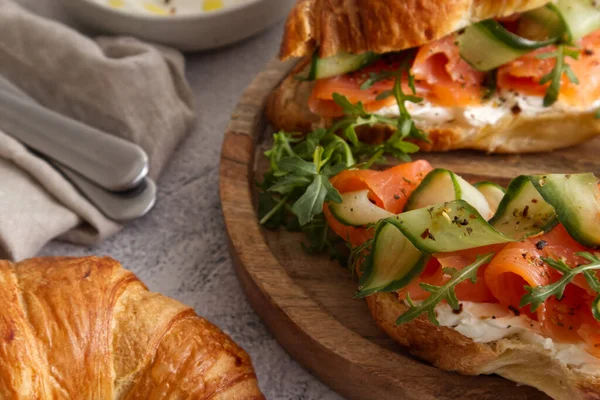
(182, 17)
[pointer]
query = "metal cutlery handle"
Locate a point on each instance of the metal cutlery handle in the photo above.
(106, 160)
(120, 207)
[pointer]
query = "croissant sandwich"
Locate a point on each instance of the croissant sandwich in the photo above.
(85, 328)
(480, 279)
(495, 75)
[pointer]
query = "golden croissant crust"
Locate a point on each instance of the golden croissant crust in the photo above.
(85, 328)
(382, 26)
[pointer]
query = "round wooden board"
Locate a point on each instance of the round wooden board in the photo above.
(306, 301)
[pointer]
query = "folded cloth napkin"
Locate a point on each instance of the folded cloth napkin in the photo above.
(119, 85)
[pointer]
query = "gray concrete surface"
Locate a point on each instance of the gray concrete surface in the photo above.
(180, 248)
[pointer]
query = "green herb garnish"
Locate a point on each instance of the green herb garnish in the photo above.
(555, 76)
(375, 77)
(296, 186)
(490, 84)
(306, 165)
(536, 296)
(444, 292)
(359, 255)
(404, 122)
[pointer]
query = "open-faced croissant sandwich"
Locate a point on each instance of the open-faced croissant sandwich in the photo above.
(499, 76)
(479, 279)
(85, 328)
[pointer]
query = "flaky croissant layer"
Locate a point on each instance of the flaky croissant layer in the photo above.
(383, 26)
(85, 328)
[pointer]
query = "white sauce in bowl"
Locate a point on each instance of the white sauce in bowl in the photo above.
(169, 7)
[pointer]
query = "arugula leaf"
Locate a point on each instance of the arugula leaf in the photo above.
(350, 109)
(490, 84)
(590, 277)
(281, 148)
(297, 182)
(350, 131)
(314, 177)
(321, 239)
(375, 77)
(297, 166)
(536, 296)
(306, 148)
(358, 254)
(270, 210)
(406, 126)
(330, 171)
(407, 58)
(444, 292)
(555, 76)
(404, 122)
(405, 147)
(287, 184)
(311, 202)
(317, 232)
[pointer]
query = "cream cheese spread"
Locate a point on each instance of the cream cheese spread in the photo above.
(427, 114)
(486, 322)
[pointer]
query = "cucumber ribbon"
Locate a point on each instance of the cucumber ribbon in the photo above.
(487, 45)
(532, 205)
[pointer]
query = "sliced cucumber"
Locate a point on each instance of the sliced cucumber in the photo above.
(339, 64)
(576, 200)
(523, 211)
(474, 197)
(447, 227)
(492, 192)
(547, 19)
(581, 17)
(357, 210)
(392, 264)
(487, 45)
(437, 187)
(440, 186)
(532, 204)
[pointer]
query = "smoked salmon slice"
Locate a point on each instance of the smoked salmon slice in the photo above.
(434, 275)
(321, 99)
(449, 79)
(562, 319)
(388, 189)
(589, 331)
(441, 75)
(524, 74)
(444, 78)
(516, 265)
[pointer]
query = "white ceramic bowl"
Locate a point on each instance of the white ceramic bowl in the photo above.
(187, 32)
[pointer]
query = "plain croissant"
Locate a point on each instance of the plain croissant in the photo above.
(85, 328)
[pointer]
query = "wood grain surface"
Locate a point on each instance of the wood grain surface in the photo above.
(306, 301)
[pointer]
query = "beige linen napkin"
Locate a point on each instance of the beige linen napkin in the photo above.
(119, 85)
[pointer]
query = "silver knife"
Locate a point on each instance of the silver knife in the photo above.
(108, 161)
(120, 207)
